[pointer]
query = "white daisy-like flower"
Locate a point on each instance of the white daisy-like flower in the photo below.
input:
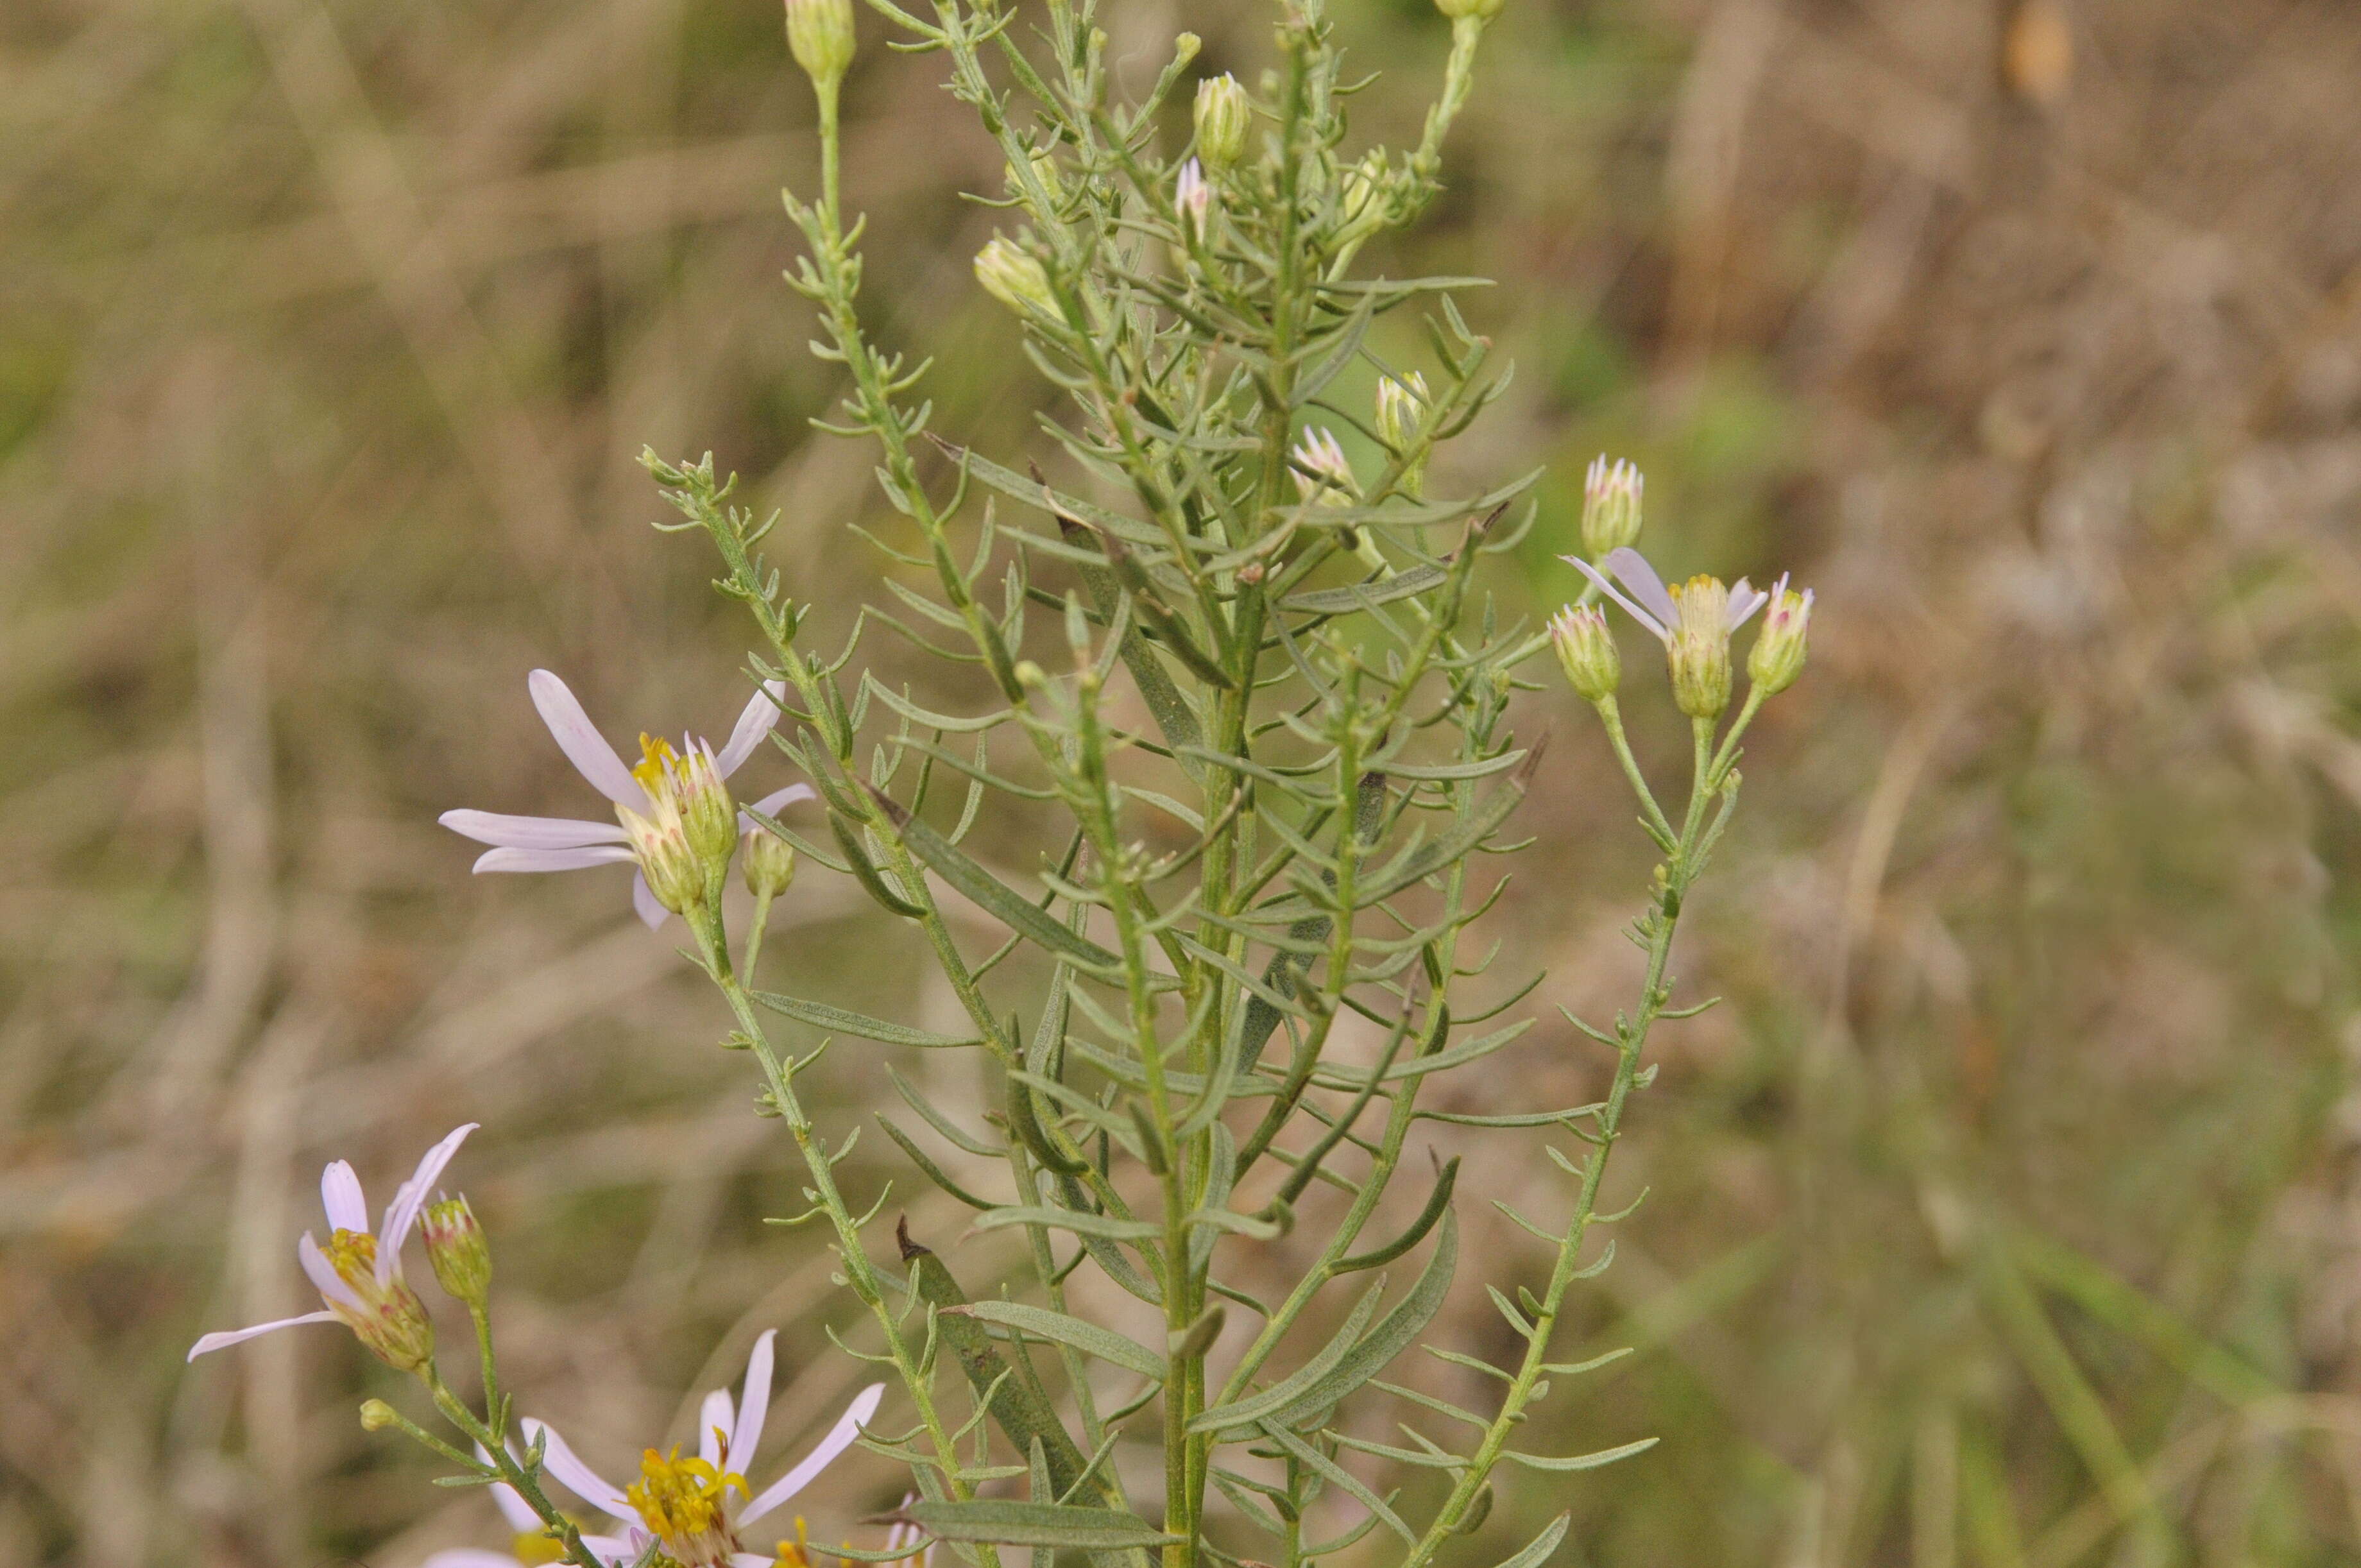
(358, 1273)
(1693, 619)
(673, 818)
(698, 1508)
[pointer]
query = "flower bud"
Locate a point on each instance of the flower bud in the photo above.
(1586, 650)
(1225, 121)
(770, 864)
(1363, 206)
(377, 1415)
(1459, 10)
(1322, 473)
(456, 1247)
(1193, 198)
(819, 35)
(1401, 408)
(1402, 412)
(1698, 649)
(1611, 507)
(1014, 278)
(1778, 655)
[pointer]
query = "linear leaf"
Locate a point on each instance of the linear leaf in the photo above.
(1393, 1333)
(1344, 601)
(1060, 1329)
(1580, 1461)
(1081, 1223)
(843, 1021)
(1005, 903)
(1537, 1551)
(1284, 1394)
(1003, 1522)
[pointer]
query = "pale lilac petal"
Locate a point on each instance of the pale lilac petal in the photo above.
(411, 1197)
(583, 745)
(576, 1476)
(643, 901)
(774, 803)
(753, 1404)
(531, 832)
(839, 1438)
(508, 860)
(761, 714)
(1744, 600)
(749, 1560)
(236, 1336)
(1598, 580)
(612, 1548)
(341, 1196)
(1632, 570)
(322, 1274)
(713, 1426)
(470, 1557)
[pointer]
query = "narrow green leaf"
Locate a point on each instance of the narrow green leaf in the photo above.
(1003, 1522)
(1060, 1329)
(1392, 1336)
(1338, 1476)
(1537, 1551)
(1011, 908)
(1285, 1393)
(1580, 1461)
(1013, 1395)
(1104, 1226)
(843, 1021)
(1344, 601)
(864, 871)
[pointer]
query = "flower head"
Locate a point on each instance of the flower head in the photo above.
(1225, 121)
(696, 1509)
(672, 815)
(1322, 473)
(1693, 619)
(1611, 507)
(358, 1273)
(1586, 648)
(1778, 655)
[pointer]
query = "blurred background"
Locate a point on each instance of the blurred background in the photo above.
(2009, 1213)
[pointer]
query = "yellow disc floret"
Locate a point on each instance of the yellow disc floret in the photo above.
(684, 840)
(682, 1502)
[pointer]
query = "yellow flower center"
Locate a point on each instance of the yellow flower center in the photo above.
(682, 1499)
(795, 1553)
(659, 765)
(353, 1254)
